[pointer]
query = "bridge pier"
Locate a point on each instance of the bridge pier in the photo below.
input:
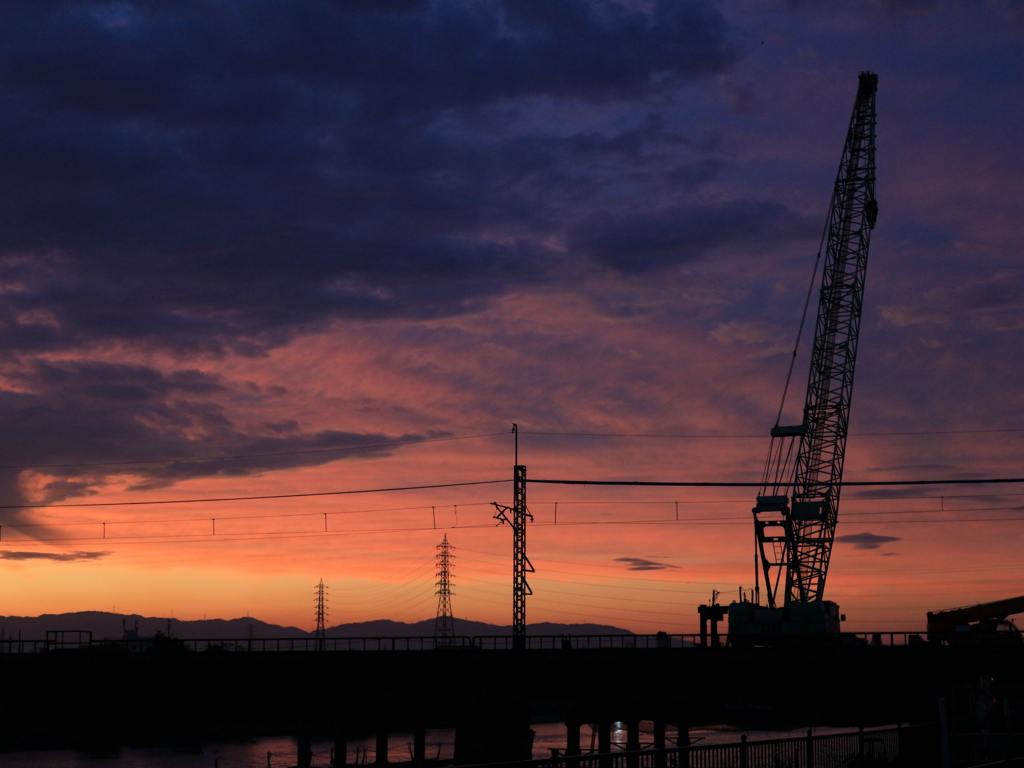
(305, 748)
(632, 735)
(659, 743)
(419, 742)
(633, 742)
(381, 754)
(340, 747)
(493, 732)
(572, 737)
(683, 731)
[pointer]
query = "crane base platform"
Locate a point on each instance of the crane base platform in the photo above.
(816, 622)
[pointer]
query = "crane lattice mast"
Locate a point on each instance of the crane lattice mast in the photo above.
(796, 513)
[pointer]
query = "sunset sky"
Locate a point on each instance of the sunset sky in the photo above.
(261, 229)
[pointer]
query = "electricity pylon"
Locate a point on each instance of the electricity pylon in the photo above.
(320, 591)
(444, 625)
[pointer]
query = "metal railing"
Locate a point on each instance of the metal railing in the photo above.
(843, 750)
(566, 642)
(331, 644)
(891, 638)
(64, 640)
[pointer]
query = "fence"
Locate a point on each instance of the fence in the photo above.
(562, 642)
(845, 750)
(65, 639)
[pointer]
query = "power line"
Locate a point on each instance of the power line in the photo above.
(644, 483)
(747, 499)
(246, 517)
(760, 484)
(184, 460)
(762, 435)
(247, 498)
(851, 516)
(180, 538)
(423, 508)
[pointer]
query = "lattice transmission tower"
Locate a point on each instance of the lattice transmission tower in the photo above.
(444, 625)
(320, 592)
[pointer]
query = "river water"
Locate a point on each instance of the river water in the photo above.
(280, 752)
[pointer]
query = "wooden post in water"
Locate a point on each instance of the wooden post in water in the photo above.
(659, 744)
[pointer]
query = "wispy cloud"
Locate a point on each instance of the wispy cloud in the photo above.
(643, 564)
(66, 557)
(866, 540)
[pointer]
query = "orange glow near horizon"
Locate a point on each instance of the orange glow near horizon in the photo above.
(377, 554)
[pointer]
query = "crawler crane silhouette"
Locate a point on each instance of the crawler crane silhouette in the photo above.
(796, 511)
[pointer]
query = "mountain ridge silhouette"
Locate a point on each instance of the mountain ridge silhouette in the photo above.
(109, 625)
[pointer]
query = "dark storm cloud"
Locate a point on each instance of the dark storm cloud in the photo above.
(657, 239)
(67, 557)
(992, 303)
(79, 423)
(865, 540)
(222, 175)
(643, 564)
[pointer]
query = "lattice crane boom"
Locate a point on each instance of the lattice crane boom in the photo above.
(797, 509)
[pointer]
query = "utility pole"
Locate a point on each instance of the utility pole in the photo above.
(444, 625)
(321, 615)
(516, 517)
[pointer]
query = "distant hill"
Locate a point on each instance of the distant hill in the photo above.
(103, 624)
(108, 625)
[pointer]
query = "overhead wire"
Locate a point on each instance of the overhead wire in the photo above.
(422, 508)
(872, 483)
(271, 516)
(250, 498)
(712, 521)
(644, 483)
(762, 435)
